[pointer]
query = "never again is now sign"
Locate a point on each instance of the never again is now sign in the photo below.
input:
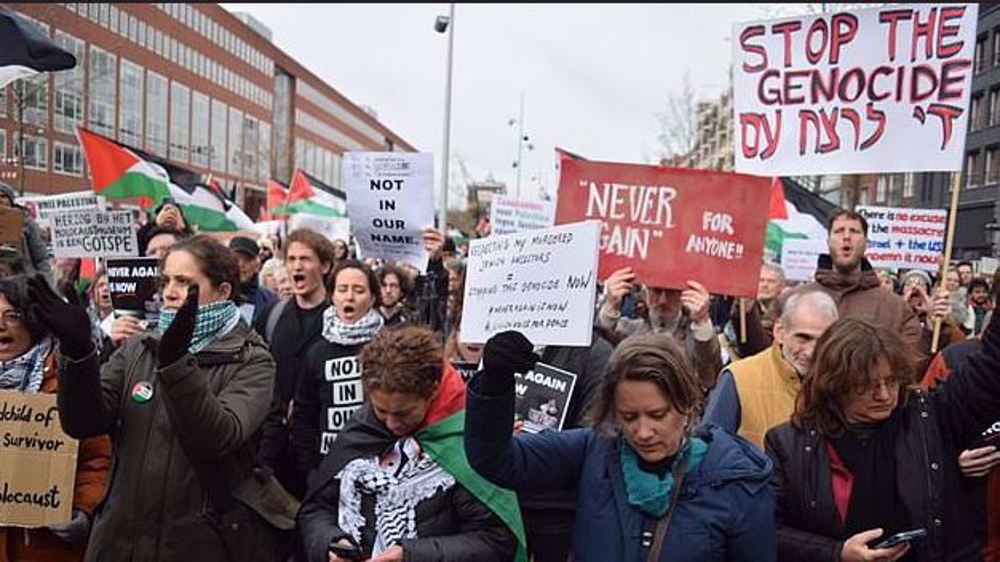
(671, 225)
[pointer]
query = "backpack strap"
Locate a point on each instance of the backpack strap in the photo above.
(272, 319)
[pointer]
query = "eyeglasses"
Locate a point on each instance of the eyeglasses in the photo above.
(12, 318)
(891, 385)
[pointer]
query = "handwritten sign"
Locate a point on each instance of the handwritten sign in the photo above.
(540, 283)
(881, 90)
(671, 225)
(799, 258)
(905, 238)
(542, 396)
(43, 207)
(390, 199)
(94, 234)
(134, 285)
(509, 215)
(39, 461)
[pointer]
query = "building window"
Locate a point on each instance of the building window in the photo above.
(235, 141)
(67, 159)
(972, 177)
(156, 114)
(3, 144)
(251, 127)
(35, 154)
(103, 102)
(180, 121)
(991, 170)
(882, 189)
(980, 54)
(996, 46)
(131, 105)
(199, 129)
(993, 108)
(33, 95)
(115, 18)
(977, 113)
(218, 152)
(264, 154)
(3, 102)
(909, 185)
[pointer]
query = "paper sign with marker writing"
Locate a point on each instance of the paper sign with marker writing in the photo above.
(799, 258)
(905, 238)
(39, 461)
(390, 199)
(540, 283)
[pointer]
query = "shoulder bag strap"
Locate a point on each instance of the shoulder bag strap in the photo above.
(664, 523)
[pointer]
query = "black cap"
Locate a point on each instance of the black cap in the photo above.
(244, 245)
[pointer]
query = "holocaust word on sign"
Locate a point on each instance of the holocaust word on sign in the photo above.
(91, 234)
(540, 282)
(905, 238)
(345, 395)
(878, 90)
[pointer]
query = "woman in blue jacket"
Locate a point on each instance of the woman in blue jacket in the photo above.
(650, 486)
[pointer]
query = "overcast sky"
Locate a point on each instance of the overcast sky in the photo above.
(593, 76)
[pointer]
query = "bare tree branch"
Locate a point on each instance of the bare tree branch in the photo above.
(679, 122)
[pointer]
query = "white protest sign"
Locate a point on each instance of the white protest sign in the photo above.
(540, 283)
(390, 199)
(91, 234)
(879, 90)
(44, 206)
(333, 228)
(508, 215)
(987, 266)
(799, 257)
(267, 228)
(905, 238)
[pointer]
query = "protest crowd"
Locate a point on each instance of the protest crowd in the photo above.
(632, 378)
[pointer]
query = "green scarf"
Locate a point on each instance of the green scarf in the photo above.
(213, 321)
(648, 492)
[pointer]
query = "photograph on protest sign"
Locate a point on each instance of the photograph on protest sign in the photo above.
(43, 207)
(905, 238)
(134, 284)
(671, 225)
(38, 471)
(94, 234)
(542, 396)
(541, 283)
(508, 215)
(877, 90)
(390, 200)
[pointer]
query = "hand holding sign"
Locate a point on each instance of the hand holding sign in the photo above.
(618, 285)
(696, 300)
(433, 242)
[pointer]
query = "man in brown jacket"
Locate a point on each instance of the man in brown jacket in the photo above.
(848, 277)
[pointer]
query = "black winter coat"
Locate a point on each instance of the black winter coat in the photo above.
(937, 426)
(452, 525)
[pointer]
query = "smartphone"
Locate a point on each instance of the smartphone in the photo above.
(899, 538)
(346, 552)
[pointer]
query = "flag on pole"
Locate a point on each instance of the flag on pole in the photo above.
(277, 194)
(25, 50)
(308, 195)
(794, 213)
(119, 173)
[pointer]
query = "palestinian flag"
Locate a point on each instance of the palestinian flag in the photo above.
(119, 173)
(794, 213)
(277, 194)
(208, 210)
(308, 195)
(25, 50)
(440, 436)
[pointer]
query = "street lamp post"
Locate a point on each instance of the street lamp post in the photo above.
(521, 140)
(445, 24)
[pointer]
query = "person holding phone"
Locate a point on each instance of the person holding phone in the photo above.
(867, 455)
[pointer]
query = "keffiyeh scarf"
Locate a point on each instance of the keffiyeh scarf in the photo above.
(337, 331)
(399, 483)
(25, 372)
(212, 321)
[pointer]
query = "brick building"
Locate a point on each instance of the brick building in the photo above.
(192, 83)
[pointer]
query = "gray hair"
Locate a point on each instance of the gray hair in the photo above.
(780, 271)
(817, 299)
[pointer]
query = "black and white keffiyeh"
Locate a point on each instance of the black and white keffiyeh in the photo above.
(25, 372)
(337, 331)
(399, 481)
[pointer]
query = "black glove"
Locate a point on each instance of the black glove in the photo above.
(66, 319)
(177, 339)
(503, 355)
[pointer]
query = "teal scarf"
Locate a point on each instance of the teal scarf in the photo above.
(213, 321)
(647, 491)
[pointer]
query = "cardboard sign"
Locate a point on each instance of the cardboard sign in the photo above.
(333, 228)
(508, 215)
(466, 369)
(11, 228)
(92, 234)
(541, 397)
(135, 289)
(341, 382)
(905, 238)
(799, 258)
(390, 199)
(880, 90)
(43, 207)
(540, 283)
(671, 225)
(39, 461)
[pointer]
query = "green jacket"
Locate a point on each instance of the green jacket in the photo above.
(155, 505)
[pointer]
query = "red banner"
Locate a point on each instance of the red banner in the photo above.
(671, 225)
